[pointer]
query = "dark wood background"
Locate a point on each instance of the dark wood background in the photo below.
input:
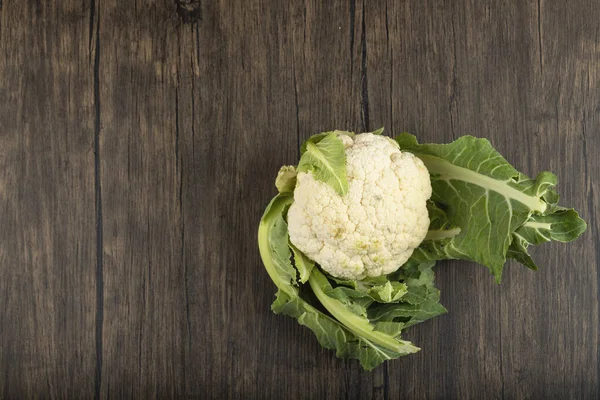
(139, 141)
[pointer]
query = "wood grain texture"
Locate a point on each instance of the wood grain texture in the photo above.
(47, 224)
(495, 70)
(143, 315)
(138, 146)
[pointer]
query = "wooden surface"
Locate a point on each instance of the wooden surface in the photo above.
(138, 145)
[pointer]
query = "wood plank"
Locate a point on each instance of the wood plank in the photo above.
(256, 88)
(553, 326)
(47, 235)
(416, 89)
(144, 304)
(152, 132)
(478, 69)
(330, 86)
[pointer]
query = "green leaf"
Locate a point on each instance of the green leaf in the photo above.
(390, 292)
(354, 301)
(481, 194)
(391, 328)
(325, 158)
(409, 314)
(518, 252)
(563, 225)
(415, 273)
(303, 264)
(331, 334)
(273, 244)
(378, 288)
(347, 345)
(437, 217)
(319, 136)
(349, 329)
(421, 302)
(358, 325)
(286, 179)
(286, 304)
(383, 345)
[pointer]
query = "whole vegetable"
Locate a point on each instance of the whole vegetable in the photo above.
(371, 227)
(358, 225)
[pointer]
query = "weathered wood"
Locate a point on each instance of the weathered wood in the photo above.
(520, 75)
(138, 146)
(143, 280)
(250, 93)
(47, 223)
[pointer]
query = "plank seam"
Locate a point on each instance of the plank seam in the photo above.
(98, 195)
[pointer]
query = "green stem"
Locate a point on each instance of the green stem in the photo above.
(359, 325)
(448, 171)
(440, 234)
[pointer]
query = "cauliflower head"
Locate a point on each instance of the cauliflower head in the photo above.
(374, 228)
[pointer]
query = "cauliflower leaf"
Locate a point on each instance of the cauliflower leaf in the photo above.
(303, 264)
(335, 336)
(286, 179)
(488, 200)
(563, 225)
(325, 158)
(273, 244)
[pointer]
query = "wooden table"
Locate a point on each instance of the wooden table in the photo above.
(139, 141)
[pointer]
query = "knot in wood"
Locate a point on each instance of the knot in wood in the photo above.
(190, 11)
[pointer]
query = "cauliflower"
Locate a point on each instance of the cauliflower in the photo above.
(359, 207)
(373, 228)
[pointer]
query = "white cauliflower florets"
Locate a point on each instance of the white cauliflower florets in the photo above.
(374, 228)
